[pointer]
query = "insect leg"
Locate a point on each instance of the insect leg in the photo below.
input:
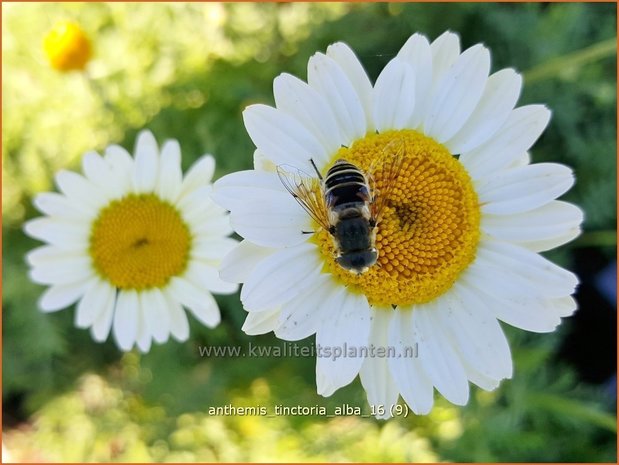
(316, 169)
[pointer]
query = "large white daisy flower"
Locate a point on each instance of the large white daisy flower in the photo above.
(133, 242)
(458, 243)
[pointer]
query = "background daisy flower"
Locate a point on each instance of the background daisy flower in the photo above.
(67, 47)
(132, 241)
(459, 241)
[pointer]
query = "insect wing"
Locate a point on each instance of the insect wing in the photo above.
(390, 164)
(306, 191)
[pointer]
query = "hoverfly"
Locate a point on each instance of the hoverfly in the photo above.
(347, 204)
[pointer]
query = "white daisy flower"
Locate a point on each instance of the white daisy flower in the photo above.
(133, 242)
(459, 240)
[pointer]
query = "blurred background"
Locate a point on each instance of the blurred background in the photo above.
(186, 71)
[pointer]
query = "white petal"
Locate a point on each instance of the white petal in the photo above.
(504, 282)
(146, 167)
(278, 223)
(343, 55)
(416, 52)
(500, 282)
(237, 188)
(63, 271)
(498, 100)
(119, 158)
(94, 303)
(195, 205)
(179, 326)
(207, 277)
(240, 263)
(520, 311)
(100, 174)
(199, 175)
(144, 337)
(564, 306)
(58, 232)
(60, 296)
(394, 96)
(478, 378)
(281, 276)
(527, 314)
(375, 373)
(199, 301)
(126, 319)
(170, 174)
(212, 249)
(552, 221)
(458, 93)
(309, 107)
(523, 189)
(302, 316)
(548, 244)
(60, 206)
(199, 210)
(522, 128)
(439, 360)
(213, 223)
(475, 333)
(328, 78)
(80, 191)
(144, 342)
(121, 164)
(102, 325)
(48, 255)
(521, 266)
(261, 322)
(346, 328)
(445, 51)
(282, 138)
(523, 159)
(156, 314)
(262, 162)
(408, 372)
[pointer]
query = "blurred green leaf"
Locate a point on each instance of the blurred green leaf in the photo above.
(563, 406)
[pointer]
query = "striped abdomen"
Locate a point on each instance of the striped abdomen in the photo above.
(345, 186)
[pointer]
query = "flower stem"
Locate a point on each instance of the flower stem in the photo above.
(577, 59)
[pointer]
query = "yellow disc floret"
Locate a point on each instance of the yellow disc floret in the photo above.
(67, 47)
(139, 242)
(428, 231)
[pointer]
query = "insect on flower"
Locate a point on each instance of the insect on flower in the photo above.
(346, 203)
(424, 226)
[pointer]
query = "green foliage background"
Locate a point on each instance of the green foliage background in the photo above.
(186, 71)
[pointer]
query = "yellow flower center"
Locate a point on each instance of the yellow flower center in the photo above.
(139, 242)
(67, 47)
(428, 231)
